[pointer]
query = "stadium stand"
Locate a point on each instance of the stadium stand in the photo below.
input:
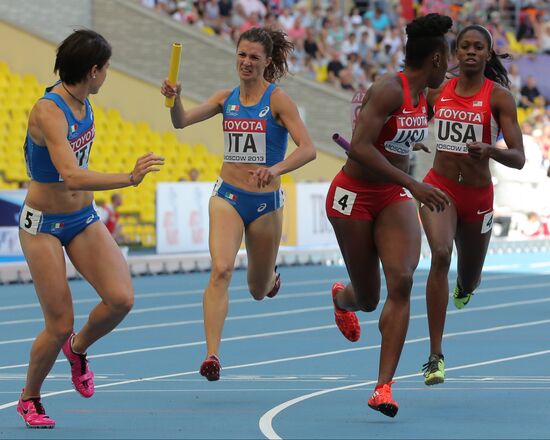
(112, 152)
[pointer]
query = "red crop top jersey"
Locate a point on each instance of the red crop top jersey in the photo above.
(459, 120)
(405, 126)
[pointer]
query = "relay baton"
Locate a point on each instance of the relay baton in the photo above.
(343, 142)
(173, 72)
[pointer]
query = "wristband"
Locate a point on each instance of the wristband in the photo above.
(132, 181)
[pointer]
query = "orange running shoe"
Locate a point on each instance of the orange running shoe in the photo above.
(211, 367)
(346, 321)
(382, 401)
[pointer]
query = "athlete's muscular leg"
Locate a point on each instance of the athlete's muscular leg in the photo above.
(99, 260)
(46, 262)
(262, 238)
(355, 237)
(440, 228)
(225, 237)
(397, 238)
(471, 246)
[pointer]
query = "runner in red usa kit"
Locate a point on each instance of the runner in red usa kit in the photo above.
(370, 202)
(469, 112)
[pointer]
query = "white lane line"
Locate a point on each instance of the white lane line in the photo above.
(168, 294)
(315, 309)
(266, 421)
(296, 358)
(297, 311)
(291, 331)
(288, 296)
(184, 293)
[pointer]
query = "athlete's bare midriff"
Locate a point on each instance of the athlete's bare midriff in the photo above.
(237, 174)
(461, 168)
(56, 198)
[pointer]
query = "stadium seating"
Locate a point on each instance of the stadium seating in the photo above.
(112, 152)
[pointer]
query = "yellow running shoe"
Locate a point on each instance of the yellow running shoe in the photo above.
(434, 369)
(460, 298)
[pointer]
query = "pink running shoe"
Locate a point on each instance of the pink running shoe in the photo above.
(382, 400)
(33, 413)
(276, 286)
(211, 367)
(82, 376)
(346, 321)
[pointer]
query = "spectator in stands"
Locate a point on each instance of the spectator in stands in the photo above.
(515, 81)
(527, 23)
(297, 32)
(57, 147)
(532, 226)
(346, 79)
(310, 69)
(530, 94)
(311, 47)
(365, 46)
(334, 67)
(350, 45)
(317, 19)
(185, 15)
(110, 217)
(543, 35)
(226, 9)
(252, 21)
(193, 174)
(160, 5)
(252, 6)
(247, 199)
(379, 20)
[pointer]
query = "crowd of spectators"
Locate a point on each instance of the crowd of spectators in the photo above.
(347, 43)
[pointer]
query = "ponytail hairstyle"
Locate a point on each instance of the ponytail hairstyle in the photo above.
(276, 46)
(426, 35)
(494, 70)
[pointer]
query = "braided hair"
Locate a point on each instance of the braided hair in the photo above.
(275, 45)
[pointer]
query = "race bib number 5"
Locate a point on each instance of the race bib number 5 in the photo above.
(30, 220)
(343, 200)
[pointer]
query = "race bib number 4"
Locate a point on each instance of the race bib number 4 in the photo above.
(244, 140)
(487, 223)
(343, 200)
